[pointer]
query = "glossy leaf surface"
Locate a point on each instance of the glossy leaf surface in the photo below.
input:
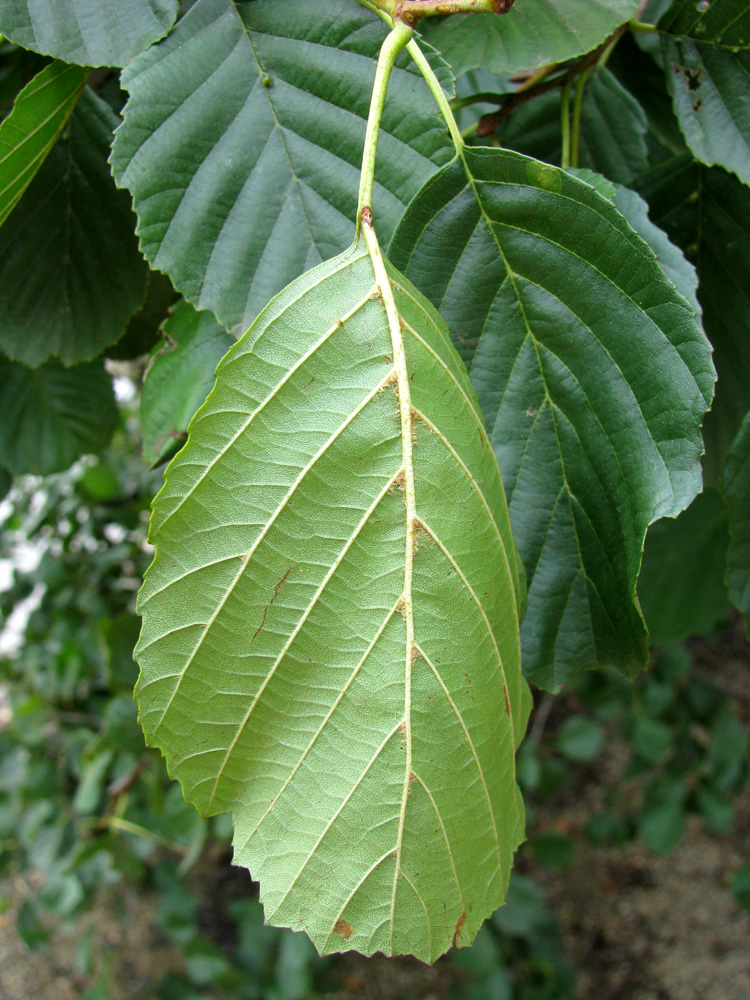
(39, 114)
(371, 775)
(88, 32)
(179, 377)
(533, 33)
(53, 415)
(262, 105)
(71, 275)
(593, 378)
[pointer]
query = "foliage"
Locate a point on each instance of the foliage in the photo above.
(339, 578)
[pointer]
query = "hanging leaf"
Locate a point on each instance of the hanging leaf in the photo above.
(71, 275)
(593, 378)
(88, 32)
(53, 415)
(681, 586)
(329, 650)
(180, 377)
(263, 106)
(534, 33)
(707, 213)
(736, 487)
(39, 115)
(708, 79)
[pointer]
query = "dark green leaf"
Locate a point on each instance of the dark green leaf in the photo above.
(741, 886)
(681, 586)
(661, 826)
(707, 213)
(143, 330)
(534, 33)
(52, 415)
(709, 88)
(580, 739)
(6, 481)
(71, 275)
(736, 486)
(718, 22)
(553, 849)
(180, 377)
(593, 378)
(651, 739)
(39, 115)
(88, 32)
(242, 143)
(716, 809)
(613, 130)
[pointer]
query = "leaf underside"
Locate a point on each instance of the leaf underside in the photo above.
(593, 378)
(276, 673)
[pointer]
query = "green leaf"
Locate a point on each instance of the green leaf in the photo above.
(263, 106)
(580, 739)
(534, 33)
(709, 92)
(720, 22)
(681, 586)
(52, 415)
(736, 487)
(6, 481)
(180, 377)
(707, 213)
(88, 32)
(661, 826)
(741, 886)
(143, 330)
(373, 787)
(71, 275)
(39, 115)
(593, 378)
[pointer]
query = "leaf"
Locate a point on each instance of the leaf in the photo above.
(593, 378)
(681, 586)
(88, 32)
(39, 115)
(707, 213)
(373, 788)
(722, 22)
(180, 377)
(53, 415)
(6, 481)
(71, 275)
(142, 332)
(533, 34)
(263, 105)
(709, 92)
(613, 129)
(736, 487)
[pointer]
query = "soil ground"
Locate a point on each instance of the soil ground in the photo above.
(637, 926)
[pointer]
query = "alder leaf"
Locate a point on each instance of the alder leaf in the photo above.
(39, 115)
(88, 32)
(724, 23)
(71, 275)
(534, 33)
(242, 140)
(593, 378)
(53, 415)
(371, 774)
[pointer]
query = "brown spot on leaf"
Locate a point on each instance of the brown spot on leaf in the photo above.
(507, 702)
(343, 929)
(459, 924)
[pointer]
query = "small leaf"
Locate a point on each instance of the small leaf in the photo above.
(741, 886)
(179, 378)
(53, 415)
(39, 115)
(708, 85)
(263, 105)
(71, 275)
(534, 33)
(593, 378)
(736, 486)
(580, 739)
(88, 32)
(681, 586)
(371, 774)
(719, 22)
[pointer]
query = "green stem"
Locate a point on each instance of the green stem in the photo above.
(394, 43)
(437, 92)
(565, 123)
(125, 826)
(639, 26)
(465, 102)
(577, 103)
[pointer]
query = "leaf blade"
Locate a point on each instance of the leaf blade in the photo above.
(323, 613)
